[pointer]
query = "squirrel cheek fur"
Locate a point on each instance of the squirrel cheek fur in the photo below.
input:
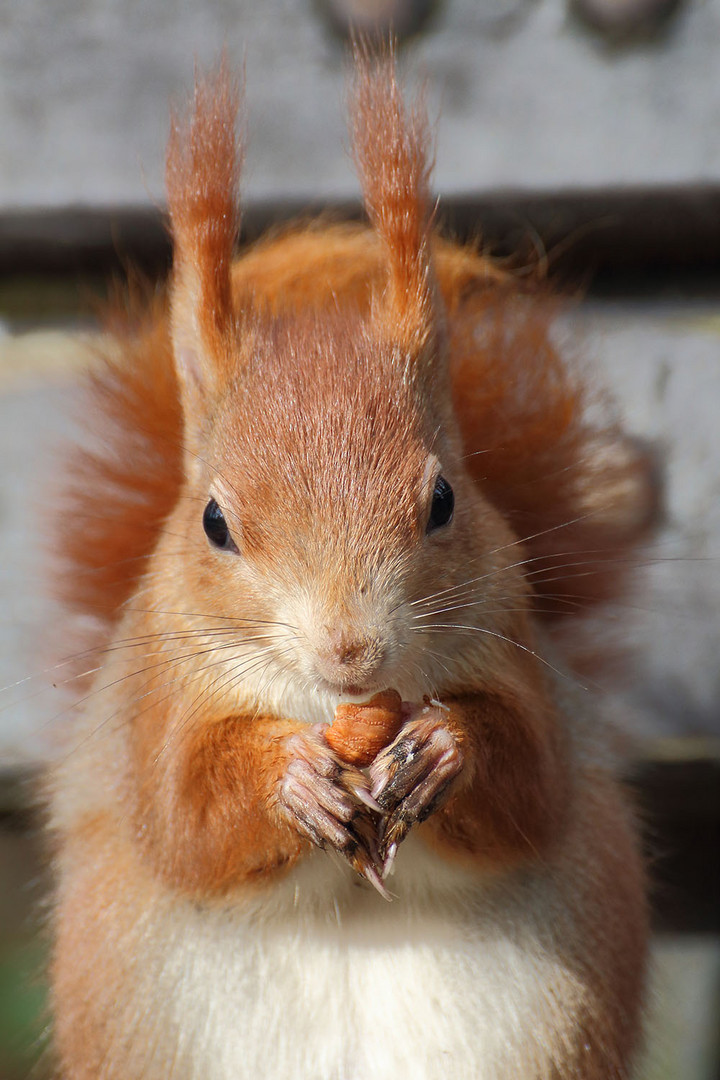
(326, 668)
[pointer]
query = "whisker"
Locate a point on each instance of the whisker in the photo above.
(116, 646)
(203, 697)
(184, 677)
(501, 637)
(173, 660)
(441, 660)
(505, 567)
(528, 609)
(237, 620)
(598, 565)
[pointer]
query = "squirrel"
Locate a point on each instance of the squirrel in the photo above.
(334, 806)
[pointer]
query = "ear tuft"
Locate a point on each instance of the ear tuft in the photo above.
(391, 147)
(203, 165)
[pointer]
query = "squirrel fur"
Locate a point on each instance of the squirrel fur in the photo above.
(348, 461)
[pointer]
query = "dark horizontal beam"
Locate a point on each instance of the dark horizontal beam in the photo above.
(578, 233)
(679, 804)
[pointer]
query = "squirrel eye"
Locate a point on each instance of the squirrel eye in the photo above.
(216, 528)
(443, 504)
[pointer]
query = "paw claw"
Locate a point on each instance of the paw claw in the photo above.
(389, 863)
(411, 778)
(370, 873)
(329, 803)
(365, 817)
(362, 794)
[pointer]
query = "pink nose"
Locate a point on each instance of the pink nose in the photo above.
(348, 658)
(344, 647)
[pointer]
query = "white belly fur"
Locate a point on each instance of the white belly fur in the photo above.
(325, 980)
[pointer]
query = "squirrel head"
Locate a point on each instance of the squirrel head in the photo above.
(325, 485)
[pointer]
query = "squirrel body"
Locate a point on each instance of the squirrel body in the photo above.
(347, 465)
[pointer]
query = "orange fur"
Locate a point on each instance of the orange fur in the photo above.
(123, 486)
(203, 170)
(391, 153)
(202, 179)
(86, 1023)
(314, 391)
(205, 811)
(609, 946)
(521, 407)
(515, 796)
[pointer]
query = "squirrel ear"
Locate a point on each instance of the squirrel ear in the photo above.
(391, 147)
(203, 164)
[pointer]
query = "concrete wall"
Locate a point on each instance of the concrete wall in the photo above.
(531, 99)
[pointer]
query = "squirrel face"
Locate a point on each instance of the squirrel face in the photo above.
(320, 436)
(337, 504)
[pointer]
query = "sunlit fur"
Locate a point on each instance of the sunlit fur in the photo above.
(315, 388)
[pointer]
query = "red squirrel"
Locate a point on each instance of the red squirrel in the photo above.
(333, 807)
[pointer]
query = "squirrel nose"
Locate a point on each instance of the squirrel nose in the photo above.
(346, 649)
(349, 658)
(349, 651)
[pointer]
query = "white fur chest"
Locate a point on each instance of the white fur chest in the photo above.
(325, 980)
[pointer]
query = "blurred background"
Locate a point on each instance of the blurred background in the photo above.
(577, 137)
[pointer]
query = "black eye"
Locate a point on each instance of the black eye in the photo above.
(216, 528)
(443, 504)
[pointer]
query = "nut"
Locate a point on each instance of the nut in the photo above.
(360, 731)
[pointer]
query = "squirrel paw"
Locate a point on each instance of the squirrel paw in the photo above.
(412, 777)
(330, 804)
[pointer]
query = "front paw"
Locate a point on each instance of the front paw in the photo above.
(413, 776)
(329, 803)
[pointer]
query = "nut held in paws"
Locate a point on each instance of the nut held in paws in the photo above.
(360, 732)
